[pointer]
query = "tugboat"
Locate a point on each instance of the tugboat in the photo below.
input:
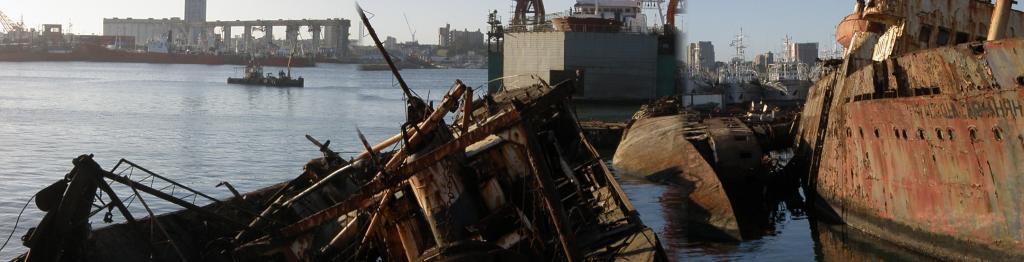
(254, 76)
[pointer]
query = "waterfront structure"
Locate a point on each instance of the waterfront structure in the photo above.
(147, 30)
(604, 44)
(626, 69)
(195, 16)
(195, 11)
(330, 37)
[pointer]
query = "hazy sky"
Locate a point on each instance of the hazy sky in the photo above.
(765, 22)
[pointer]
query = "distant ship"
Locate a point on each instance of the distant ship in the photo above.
(102, 54)
(618, 58)
(254, 76)
(917, 135)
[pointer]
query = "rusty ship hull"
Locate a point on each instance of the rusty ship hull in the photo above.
(923, 147)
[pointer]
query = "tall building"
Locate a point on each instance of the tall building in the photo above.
(702, 55)
(195, 11)
(762, 61)
(460, 41)
(806, 53)
(444, 36)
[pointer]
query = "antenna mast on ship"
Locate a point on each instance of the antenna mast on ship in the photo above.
(741, 48)
(787, 49)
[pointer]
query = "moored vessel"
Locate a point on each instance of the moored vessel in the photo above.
(915, 136)
(254, 76)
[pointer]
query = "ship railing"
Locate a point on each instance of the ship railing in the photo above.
(139, 179)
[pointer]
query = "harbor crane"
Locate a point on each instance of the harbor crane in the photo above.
(411, 31)
(9, 25)
(673, 9)
(524, 8)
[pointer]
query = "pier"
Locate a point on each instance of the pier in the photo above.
(329, 36)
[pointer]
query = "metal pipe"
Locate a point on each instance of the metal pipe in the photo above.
(384, 52)
(155, 220)
(1000, 15)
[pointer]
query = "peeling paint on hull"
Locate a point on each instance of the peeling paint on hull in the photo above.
(926, 149)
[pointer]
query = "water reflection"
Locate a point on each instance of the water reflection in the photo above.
(775, 221)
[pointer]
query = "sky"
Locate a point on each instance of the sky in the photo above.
(765, 22)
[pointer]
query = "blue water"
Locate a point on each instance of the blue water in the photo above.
(184, 122)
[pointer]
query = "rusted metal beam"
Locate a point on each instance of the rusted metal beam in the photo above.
(552, 202)
(114, 199)
(189, 189)
(502, 121)
(381, 146)
(366, 145)
(153, 219)
(323, 147)
(384, 52)
(467, 110)
(450, 100)
(1000, 16)
(374, 221)
(364, 198)
(620, 195)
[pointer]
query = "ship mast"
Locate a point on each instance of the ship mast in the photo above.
(741, 48)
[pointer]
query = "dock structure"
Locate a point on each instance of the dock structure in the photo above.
(329, 36)
(196, 34)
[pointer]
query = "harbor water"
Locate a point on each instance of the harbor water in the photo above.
(186, 123)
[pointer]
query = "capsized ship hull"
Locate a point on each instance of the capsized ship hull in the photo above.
(925, 149)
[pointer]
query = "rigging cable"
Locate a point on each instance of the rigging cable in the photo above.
(16, 221)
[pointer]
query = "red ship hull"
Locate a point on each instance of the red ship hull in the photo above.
(933, 163)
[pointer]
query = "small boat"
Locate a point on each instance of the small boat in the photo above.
(254, 76)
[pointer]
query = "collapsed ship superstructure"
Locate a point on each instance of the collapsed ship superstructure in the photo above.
(915, 136)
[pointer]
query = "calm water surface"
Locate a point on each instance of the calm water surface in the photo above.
(184, 122)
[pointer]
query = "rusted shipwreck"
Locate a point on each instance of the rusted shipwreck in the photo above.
(512, 179)
(718, 163)
(915, 136)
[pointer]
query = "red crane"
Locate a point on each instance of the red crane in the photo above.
(524, 8)
(673, 7)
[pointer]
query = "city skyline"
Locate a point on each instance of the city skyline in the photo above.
(764, 23)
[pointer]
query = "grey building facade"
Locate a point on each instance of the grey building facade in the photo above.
(701, 55)
(616, 67)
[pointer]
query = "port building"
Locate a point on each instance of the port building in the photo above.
(329, 37)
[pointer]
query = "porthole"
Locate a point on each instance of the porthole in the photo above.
(950, 134)
(849, 132)
(877, 134)
(938, 133)
(896, 132)
(920, 134)
(904, 134)
(861, 130)
(997, 133)
(974, 134)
